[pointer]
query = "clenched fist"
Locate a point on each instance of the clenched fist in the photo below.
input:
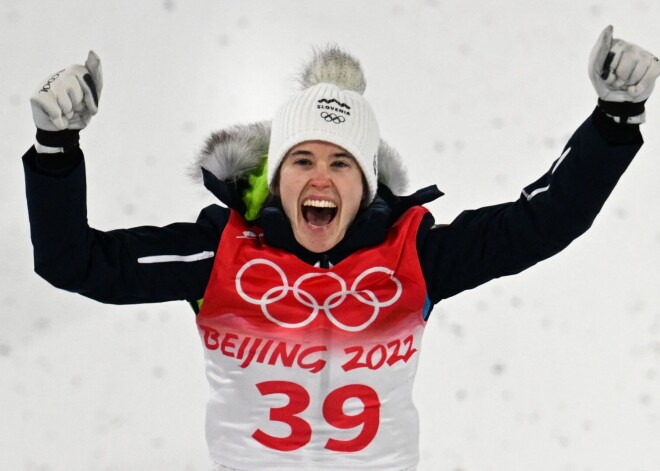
(621, 71)
(68, 98)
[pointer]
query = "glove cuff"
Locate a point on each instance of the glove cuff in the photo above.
(66, 139)
(624, 112)
(615, 132)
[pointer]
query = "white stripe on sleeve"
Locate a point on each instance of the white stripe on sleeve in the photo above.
(546, 188)
(196, 257)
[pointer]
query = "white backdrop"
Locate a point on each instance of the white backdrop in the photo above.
(555, 369)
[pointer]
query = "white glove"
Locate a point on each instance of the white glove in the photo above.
(69, 98)
(620, 71)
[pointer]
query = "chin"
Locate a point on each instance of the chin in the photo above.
(317, 246)
(317, 240)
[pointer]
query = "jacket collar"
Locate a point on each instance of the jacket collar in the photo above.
(368, 229)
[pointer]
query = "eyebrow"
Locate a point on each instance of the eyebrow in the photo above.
(337, 155)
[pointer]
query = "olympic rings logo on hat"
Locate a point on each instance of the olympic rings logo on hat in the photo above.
(337, 119)
(305, 298)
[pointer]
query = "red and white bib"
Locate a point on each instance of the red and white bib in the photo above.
(313, 368)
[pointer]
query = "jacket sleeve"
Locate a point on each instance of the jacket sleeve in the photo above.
(123, 266)
(487, 243)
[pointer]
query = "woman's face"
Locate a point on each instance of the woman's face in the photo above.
(321, 188)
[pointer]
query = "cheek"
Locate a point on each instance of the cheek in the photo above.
(288, 200)
(288, 192)
(355, 194)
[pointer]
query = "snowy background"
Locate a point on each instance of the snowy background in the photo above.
(555, 369)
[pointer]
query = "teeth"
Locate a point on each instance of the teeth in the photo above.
(320, 204)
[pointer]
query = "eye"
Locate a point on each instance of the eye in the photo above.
(340, 164)
(302, 161)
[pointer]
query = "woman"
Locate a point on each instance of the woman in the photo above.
(313, 287)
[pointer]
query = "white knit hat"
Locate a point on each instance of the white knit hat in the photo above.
(331, 108)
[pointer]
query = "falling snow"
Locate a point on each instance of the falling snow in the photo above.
(554, 369)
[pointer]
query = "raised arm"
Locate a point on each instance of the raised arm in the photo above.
(143, 264)
(487, 243)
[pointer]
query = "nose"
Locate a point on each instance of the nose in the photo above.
(320, 177)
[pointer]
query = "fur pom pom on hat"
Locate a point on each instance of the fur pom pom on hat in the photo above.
(332, 65)
(330, 108)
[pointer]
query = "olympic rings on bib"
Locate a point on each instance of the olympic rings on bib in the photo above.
(305, 298)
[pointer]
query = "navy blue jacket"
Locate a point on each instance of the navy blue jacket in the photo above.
(479, 245)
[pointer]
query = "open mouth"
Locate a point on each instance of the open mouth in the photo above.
(319, 213)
